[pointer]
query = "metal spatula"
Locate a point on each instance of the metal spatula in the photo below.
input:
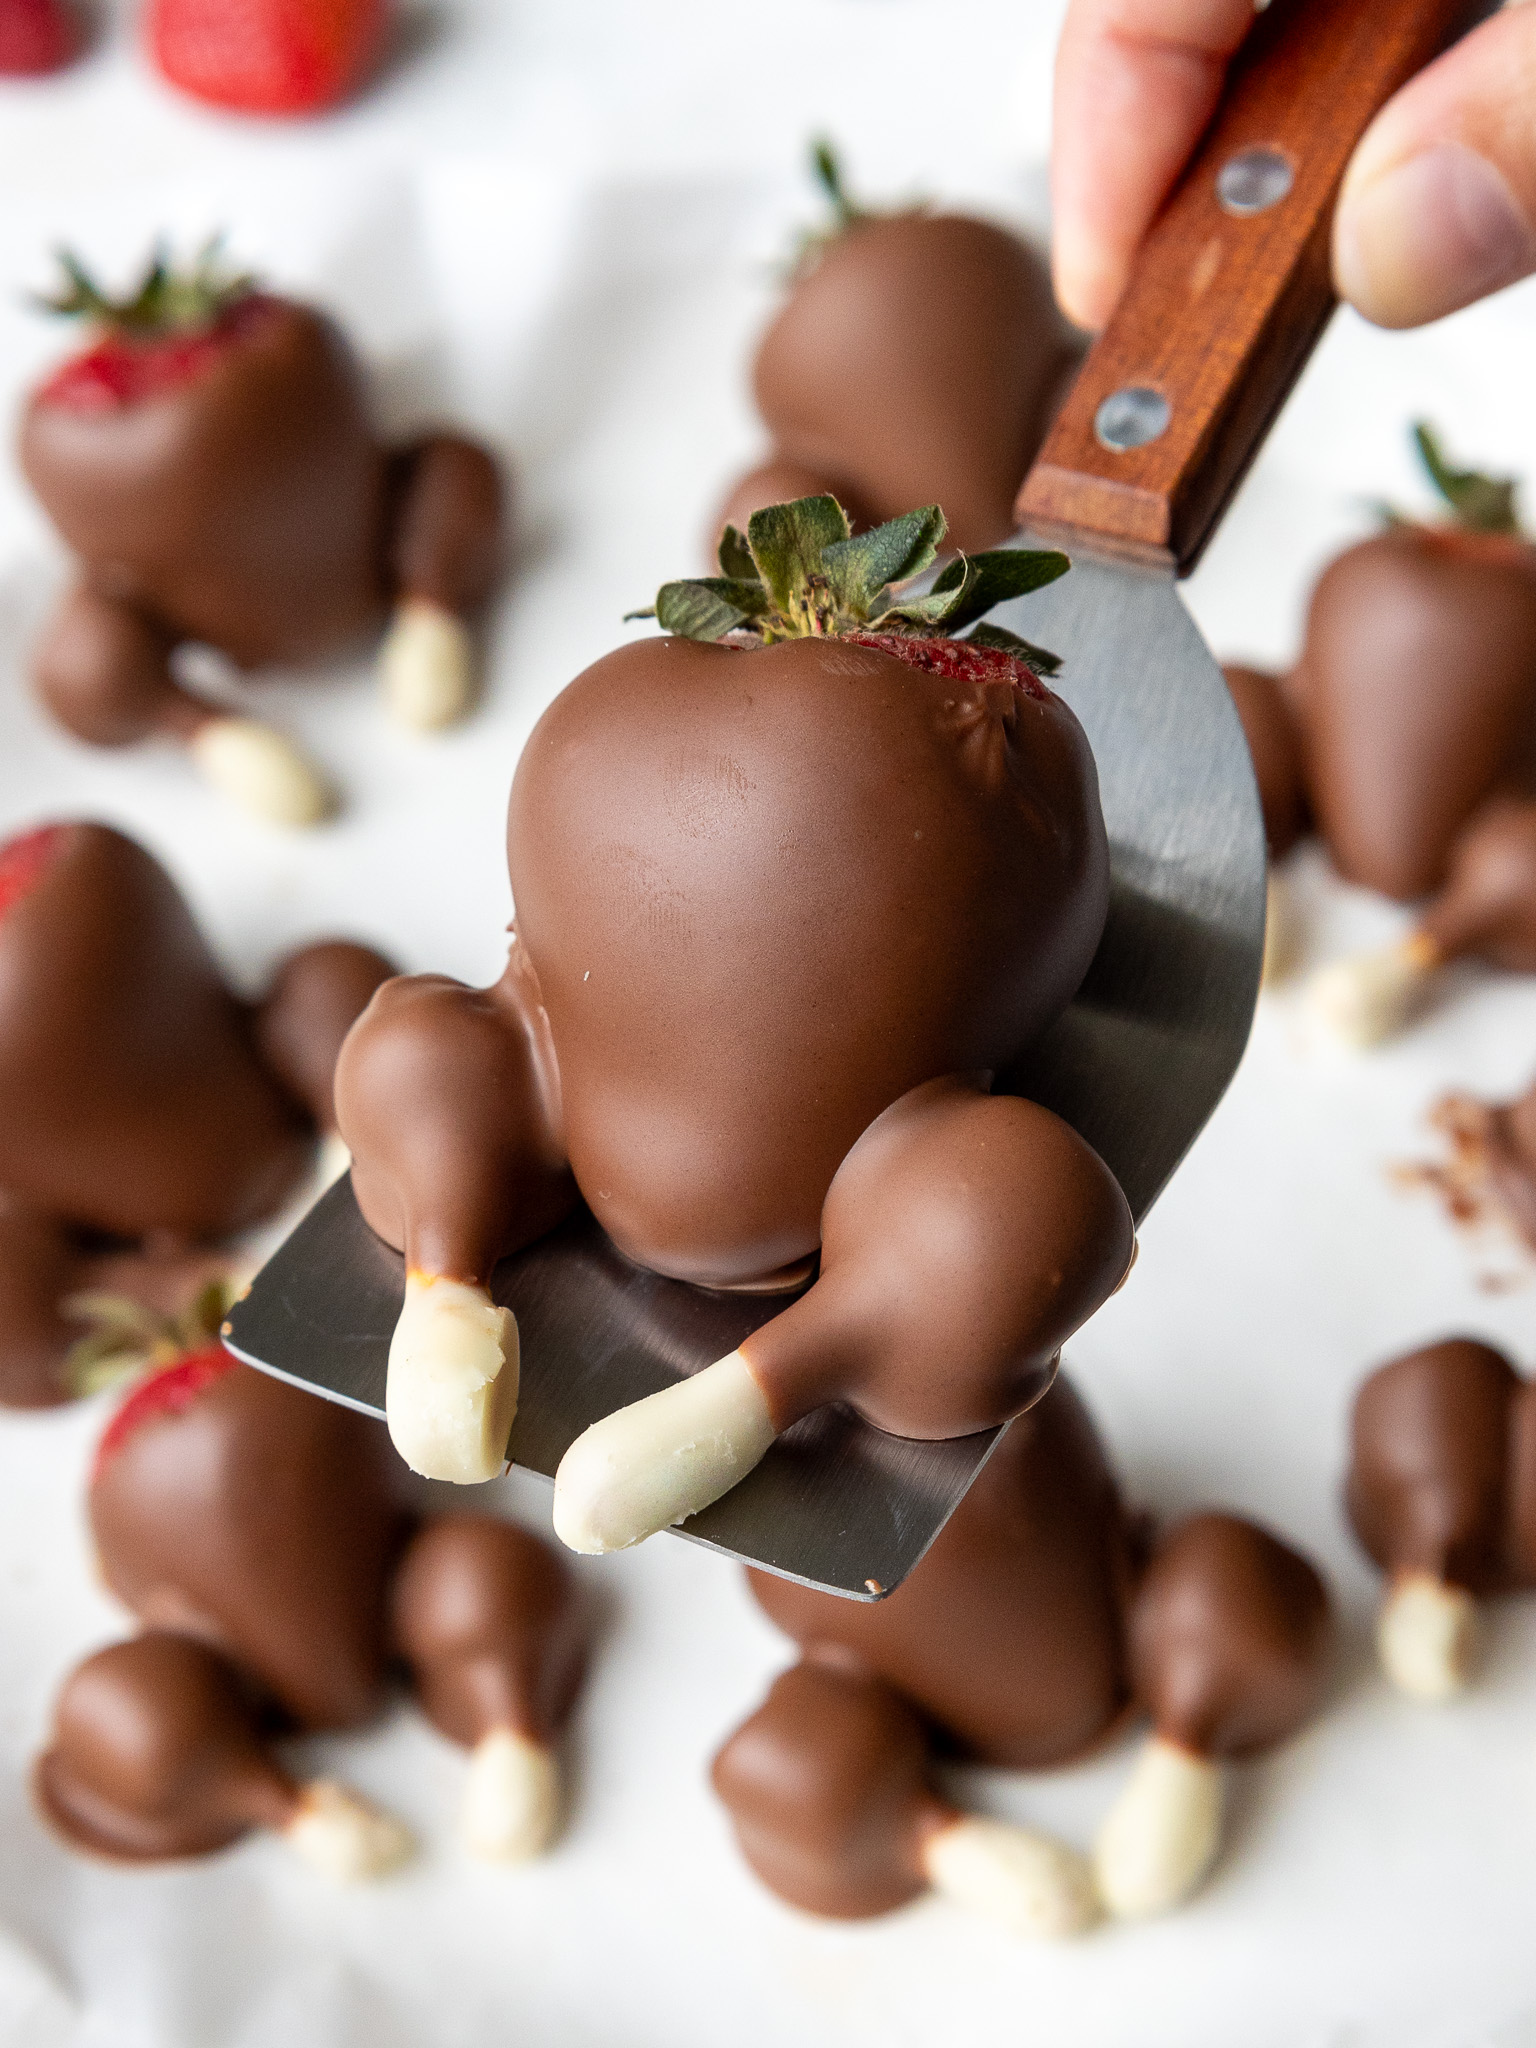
(1230, 294)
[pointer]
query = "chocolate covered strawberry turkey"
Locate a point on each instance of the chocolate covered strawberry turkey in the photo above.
(793, 883)
(210, 460)
(147, 1115)
(1406, 736)
(918, 355)
(283, 1588)
(1042, 1618)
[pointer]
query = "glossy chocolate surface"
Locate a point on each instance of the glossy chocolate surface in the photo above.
(1487, 908)
(828, 1790)
(265, 1523)
(920, 359)
(312, 1001)
(448, 523)
(245, 508)
(1417, 694)
(157, 1751)
(486, 1616)
(1442, 1473)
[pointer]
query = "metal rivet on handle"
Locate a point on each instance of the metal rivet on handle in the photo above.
(1131, 417)
(1253, 181)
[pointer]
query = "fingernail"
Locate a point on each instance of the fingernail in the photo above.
(1433, 233)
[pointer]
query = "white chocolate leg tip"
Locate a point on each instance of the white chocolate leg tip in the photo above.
(511, 1806)
(427, 666)
(1028, 1883)
(661, 1459)
(346, 1837)
(1426, 1637)
(1279, 933)
(451, 1392)
(1361, 1002)
(261, 770)
(1161, 1835)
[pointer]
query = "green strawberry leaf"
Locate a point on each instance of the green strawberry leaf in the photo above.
(859, 568)
(787, 543)
(705, 607)
(735, 556)
(1040, 659)
(1486, 504)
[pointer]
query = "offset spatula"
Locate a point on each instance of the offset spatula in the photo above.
(1230, 293)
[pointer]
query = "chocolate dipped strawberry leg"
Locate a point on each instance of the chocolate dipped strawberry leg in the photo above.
(487, 1618)
(830, 1790)
(158, 1751)
(445, 556)
(1230, 1639)
(1442, 1494)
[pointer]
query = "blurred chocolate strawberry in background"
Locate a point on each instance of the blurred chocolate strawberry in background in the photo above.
(36, 37)
(210, 459)
(267, 56)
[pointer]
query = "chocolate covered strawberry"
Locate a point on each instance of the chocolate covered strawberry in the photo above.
(257, 1535)
(1040, 1618)
(267, 56)
(794, 883)
(919, 355)
(146, 1112)
(210, 459)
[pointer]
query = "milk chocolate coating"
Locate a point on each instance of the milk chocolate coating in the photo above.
(765, 893)
(103, 670)
(262, 1522)
(244, 510)
(1230, 1637)
(1008, 1636)
(487, 1617)
(828, 1790)
(1487, 908)
(310, 1005)
(157, 1752)
(920, 360)
(1417, 690)
(1429, 1487)
(964, 1239)
(1274, 746)
(40, 1265)
(779, 481)
(131, 1097)
(448, 523)
(449, 1100)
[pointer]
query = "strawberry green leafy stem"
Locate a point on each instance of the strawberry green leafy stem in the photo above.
(166, 300)
(798, 573)
(124, 1339)
(1485, 504)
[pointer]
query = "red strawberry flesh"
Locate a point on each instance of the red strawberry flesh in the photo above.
(24, 860)
(266, 56)
(36, 36)
(165, 1393)
(960, 660)
(122, 368)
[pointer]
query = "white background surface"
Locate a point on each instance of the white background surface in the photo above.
(558, 224)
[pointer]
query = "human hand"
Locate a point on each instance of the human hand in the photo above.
(1438, 206)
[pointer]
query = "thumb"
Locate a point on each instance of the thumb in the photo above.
(1438, 206)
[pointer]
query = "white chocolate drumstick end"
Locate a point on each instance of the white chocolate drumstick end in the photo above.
(1279, 932)
(1028, 1883)
(1426, 1637)
(427, 666)
(451, 1392)
(346, 1837)
(1161, 1835)
(511, 1807)
(662, 1459)
(261, 770)
(1358, 1003)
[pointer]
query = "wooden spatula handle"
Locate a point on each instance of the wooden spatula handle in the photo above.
(1229, 293)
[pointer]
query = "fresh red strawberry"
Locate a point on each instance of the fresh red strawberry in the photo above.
(266, 56)
(23, 861)
(167, 1392)
(36, 36)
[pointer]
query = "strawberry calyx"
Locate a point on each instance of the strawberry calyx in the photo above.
(124, 1339)
(800, 573)
(1484, 509)
(167, 1392)
(24, 860)
(159, 335)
